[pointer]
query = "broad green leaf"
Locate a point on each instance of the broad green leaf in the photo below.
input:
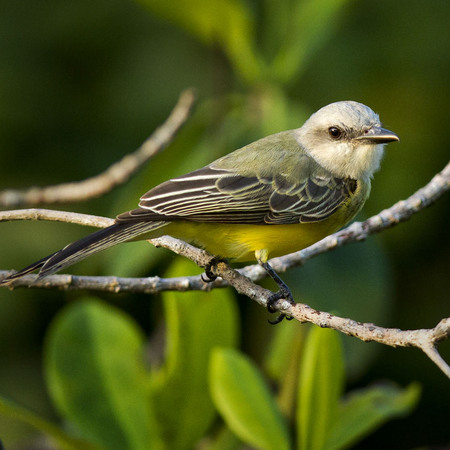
(196, 322)
(96, 376)
(245, 402)
(64, 440)
(311, 23)
(320, 387)
(366, 410)
(227, 23)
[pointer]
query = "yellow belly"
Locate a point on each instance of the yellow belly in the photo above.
(240, 242)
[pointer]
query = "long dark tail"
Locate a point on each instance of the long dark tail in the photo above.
(95, 242)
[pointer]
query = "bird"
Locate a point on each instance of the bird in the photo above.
(277, 195)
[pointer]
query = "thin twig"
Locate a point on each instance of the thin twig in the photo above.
(56, 216)
(115, 175)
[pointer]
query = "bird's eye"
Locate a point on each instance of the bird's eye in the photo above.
(335, 132)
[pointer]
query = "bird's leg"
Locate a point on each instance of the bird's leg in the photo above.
(283, 292)
(210, 276)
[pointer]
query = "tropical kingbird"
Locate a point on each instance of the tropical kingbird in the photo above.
(274, 196)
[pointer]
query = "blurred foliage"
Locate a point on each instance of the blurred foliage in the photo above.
(97, 379)
(82, 83)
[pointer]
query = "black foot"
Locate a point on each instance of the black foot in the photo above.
(209, 275)
(283, 293)
(279, 319)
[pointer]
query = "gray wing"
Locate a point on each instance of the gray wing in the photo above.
(219, 195)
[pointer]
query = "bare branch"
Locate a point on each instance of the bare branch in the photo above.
(116, 174)
(425, 339)
(56, 216)
(114, 285)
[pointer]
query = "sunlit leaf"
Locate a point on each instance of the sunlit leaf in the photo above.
(320, 386)
(244, 400)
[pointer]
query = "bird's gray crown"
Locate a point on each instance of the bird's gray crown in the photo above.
(348, 114)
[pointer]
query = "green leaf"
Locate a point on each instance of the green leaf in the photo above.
(96, 376)
(196, 323)
(64, 440)
(312, 23)
(366, 410)
(228, 23)
(320, 387)
(244, 400)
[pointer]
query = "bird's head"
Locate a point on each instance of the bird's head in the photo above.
(346, 138)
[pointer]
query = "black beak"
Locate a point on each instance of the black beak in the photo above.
(378, 135)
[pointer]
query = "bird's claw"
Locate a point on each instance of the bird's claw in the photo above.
(283, 293)
(209, 276)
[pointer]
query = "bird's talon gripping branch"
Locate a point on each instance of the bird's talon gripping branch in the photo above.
(283, 293)
(206, 279)
(209, 276)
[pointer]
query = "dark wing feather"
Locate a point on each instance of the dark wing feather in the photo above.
(218, 195)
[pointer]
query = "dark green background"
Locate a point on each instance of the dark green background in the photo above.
(83, 83)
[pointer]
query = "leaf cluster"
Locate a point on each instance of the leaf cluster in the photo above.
(110, 394)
